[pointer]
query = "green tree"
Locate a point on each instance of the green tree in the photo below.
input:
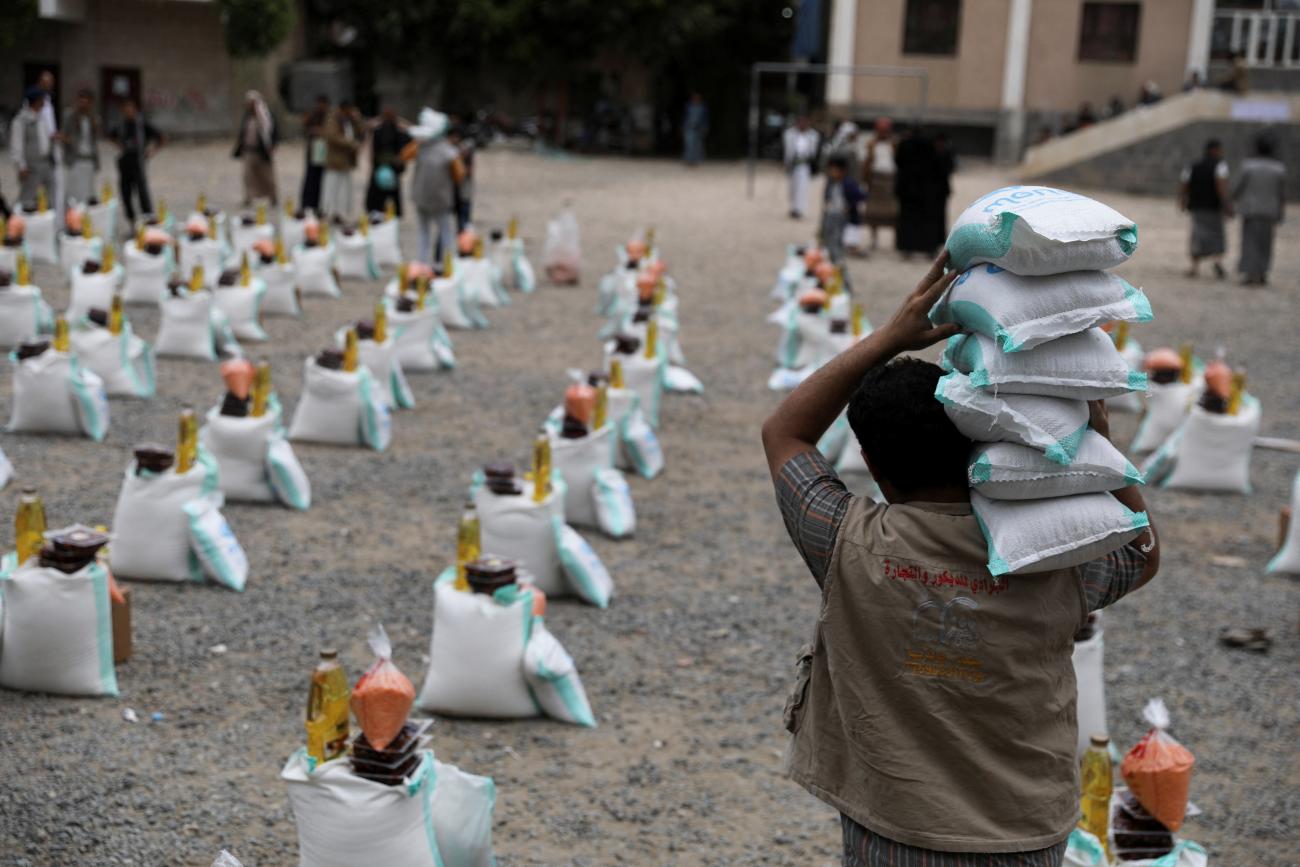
(255, 27)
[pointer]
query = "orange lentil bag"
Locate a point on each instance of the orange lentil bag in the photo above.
(1158, 770)
(383, 696)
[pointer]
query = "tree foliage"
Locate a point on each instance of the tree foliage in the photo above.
(16, 20)
(255, 27)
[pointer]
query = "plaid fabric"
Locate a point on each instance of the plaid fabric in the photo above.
(813, 502)
(862, 848)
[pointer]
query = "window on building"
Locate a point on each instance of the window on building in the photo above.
(1110, 32)
(931, 27)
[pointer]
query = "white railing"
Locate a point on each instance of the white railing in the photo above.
(1265, 39)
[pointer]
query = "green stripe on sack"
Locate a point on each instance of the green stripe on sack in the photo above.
(1138, 298)
(981, 470)
(1128, 239)
(997, 565)
(974, 241)
(1064, 450)
(1137, 380)
(104, 630)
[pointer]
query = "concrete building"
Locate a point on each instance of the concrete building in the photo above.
(1004, 69)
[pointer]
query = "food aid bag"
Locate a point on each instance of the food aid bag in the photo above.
(1133, 401)
(385, 243)
(41, 235)
(1053, 425)
(490, 656)
(103, 216)
(1026, 536)
(1083, 366)
(385, 368)
(1019, 313)
(354, 256)
(516, 270)
(1010, 471)
(57, 629)
(1036, 230)
(790, 276)
(616, 293)
(341, 407)
(123, 361)
(293, 231)
(76, 250)
(1184, 854)
(562, 252)
(242, 306)
(281, 296)
(1287, 559)
(1167, 404)
(314, 267)
(1158, 770)
(645, 377)
(1209, 451)
(145, 274)
(54, 393)
(480, 282)
(9, 254)
(219, 553)
(192, 326)
(382, 697)
(92, 290)
(207, 253)
(457, 305)
(638, 449)
(257, 464)
(422, 343)
(23, 315)
(243, 237)
(6, 476)
(597, 495)
(1090, 678)
(439, 817)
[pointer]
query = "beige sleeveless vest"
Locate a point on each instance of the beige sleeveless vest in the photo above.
(936, 706)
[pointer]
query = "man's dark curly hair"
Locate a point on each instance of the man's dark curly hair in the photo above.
(902, 426)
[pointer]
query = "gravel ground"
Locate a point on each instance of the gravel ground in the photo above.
(687, 670)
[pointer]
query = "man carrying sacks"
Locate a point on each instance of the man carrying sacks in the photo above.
(935, 707)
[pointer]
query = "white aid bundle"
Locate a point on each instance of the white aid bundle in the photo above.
(790, 276)
(191, 326)
(1133, 401)
(354, 256)
(168, 527)
(1287, 559)
(146, 274)
(1083, 366)
(23, 315)
(381, 359)
(480, 282)
(1053, 425)
(491, 656)
(516, 271)
(256, 462)
(1090, 678)
(281, 296)
(341, 407)
(1022, 312)
(123, 361)
(244, 235)
(293, 231)
(77, 250)
(806, 344)
(456, 304)
(92, 290)
(1010, 471)
(440, 817)
(597, 494)
(385, 243)
(1167, 406)
(314, 270)
(206, 253)
(422, 341)
(242, 307)
(6, 476)
(638, 445)
(1209, 451)
(103, 216)
(55, 393)
(1040, 230)
(9, 253)
(645, 377)
(1043, 535)
(58, 631)
(41, 236)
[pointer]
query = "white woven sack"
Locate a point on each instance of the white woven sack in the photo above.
(381, 359)
(1133, 401)
(1166, 407)
(9, 253)
(456, 305)
(639, 449)
(314, 270)
(790, 276)
(188, 326)
(103, 216)
(1023, 312)
(341, 407)
(151, 531)
(58, 631)
(476, 653)
(385, 243)
(577, 461)
(1287, 559)
(145, 275)
(354, 256)
(553, 678)
(54, 393)
(1081, 850)
(440, 817)
(239, 446)
(1010, 471)
(477, 277)
(205, 252)
(293, 231)
(1083, 366)
(1044, 535)
(1209, 451)
(6, 476)
(76, 250)
(645, 377)
(23, 315)
(123, 361)
(281, 298)
(501, 255)
(242, 306)
(41, 236)
(92, 290)
(242, 238)
(516, 528)
(1090, 678)
(1040, 230)
(219, 553)
(422, 341)
(1053, 425)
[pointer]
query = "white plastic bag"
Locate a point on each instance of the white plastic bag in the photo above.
(214, 543)
(293, 231)
(1010, 471)
(354, 256)
(1084, 850)
(281, 298)
(1043, 535)
(314, 270)
(341, 407)
(1209, 451)
(645, 377)
(479, 283)
(54, 393)
(151, 530)
(614, 510)
(1040, 230)
(23, 315)
(1083, 366)
(58, 631)
(242, 306)
(206, 253)
(6, 476)
(146, 274)
(123, 361)
(639, 448)
(288, 478)
(562, 252)
(1287, 559)
(586, 572)
(1053, 425)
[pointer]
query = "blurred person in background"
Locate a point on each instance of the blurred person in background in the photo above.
(1203, 193)
(464, 146)
(313, 127)
(344, 136)
(81, 147)
(32, 150)
(800, 145)
(879, 170)
(841, 209)
(255, 145)
(1259, 194)
(695, 128)
(387, 139)
(433, 189)
(921, 187)
(137, 141)
(50, 117)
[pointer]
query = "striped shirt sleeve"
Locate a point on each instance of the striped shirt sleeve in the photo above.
(813, 502)
(1108, 579)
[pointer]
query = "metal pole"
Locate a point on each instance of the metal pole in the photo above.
(753, 127)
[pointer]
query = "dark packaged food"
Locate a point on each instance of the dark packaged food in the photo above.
(488, 574)
(31, 349)
(99, 316)
(229, 277)
(1123, 854)
(300, 214)
(153, 249)
(177, 287)
(496, 234)
(500, 478)
(6, 278)
(267, 258)
(90, 266)
(153, 458)
(234, 405)
(14, 242)
(405, 305)
(330, 359)
(365, 329)
(390, 766)
(1166, 375)
(839, 326)
(643, 313)
(633, 264)
(626, 344)
(573, 428)
(247, 221)
(73, 549)
(597, 378)
(1137, 831)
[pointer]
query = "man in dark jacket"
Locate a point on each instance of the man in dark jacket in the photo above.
(386, 163)
(1204, 194)
(136, 141)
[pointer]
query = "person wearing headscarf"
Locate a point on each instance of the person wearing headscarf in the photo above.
(800, 145)
(81, 153)
(255, 145)
(1260, 197)
(433, 189)
(879, 171)
(32, 151)
(920, 184)
(386, 164)
(344, 137)
(844, 144)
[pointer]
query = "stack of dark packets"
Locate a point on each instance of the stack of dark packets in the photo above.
(391, 766)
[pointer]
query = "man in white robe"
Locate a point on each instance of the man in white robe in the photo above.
(801, 142)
